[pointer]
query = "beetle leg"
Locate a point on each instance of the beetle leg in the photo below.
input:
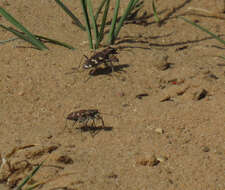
(100, 118)
(93, 123)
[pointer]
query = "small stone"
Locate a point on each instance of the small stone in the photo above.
(166, 98)
(162, 158)
(20, 165)
(149, 161)
(125, 105)
(170, 181)
(112, 175)
(153, 161)
(49, 136)
(143, 162)
(21, 93)
(200, 94)
(213, 76)
(205, 149)
(161, 62)
(159, 130)
(210, 76)
(140, 96)
(182, 91)
(164, 66)
(64, 159)
(52, 148)
(121, 94)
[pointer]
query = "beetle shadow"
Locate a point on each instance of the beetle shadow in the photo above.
(94, 130)
(109, 70)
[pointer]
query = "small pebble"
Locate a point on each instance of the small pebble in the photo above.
(159, 130)
(213, 76)
(64, 159)
(205, 149)
(166, 98)
(21, 93)
(182, 91)
(162, 158)
(153, 161)
(52, 148)
(121, 94)
(125, 105)
(113, 175)
(161, 62)
(140, 96)
(164, 66)
(200, 94)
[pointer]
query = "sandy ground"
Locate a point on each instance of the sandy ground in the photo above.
(172, 138)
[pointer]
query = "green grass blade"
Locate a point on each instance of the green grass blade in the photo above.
(30, 176)
(33, 186)
(137, 5)
(55, 42)
(75, 19)
(100, 9)
(91, 12)
(122, 19)
(223, 57)
(30, 37)
(84, 7)
(20, 35)
(9, 40)
(157, 19)
(24, 37)
(113, 24)
(101, 33)
(134, 4)
(204, 30)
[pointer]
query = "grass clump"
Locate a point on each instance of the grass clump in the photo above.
(91, 20)
(25, 181)
(26, 35)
